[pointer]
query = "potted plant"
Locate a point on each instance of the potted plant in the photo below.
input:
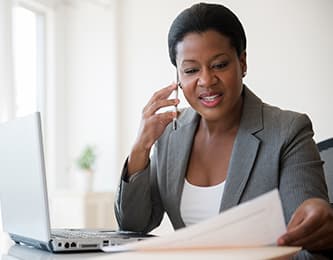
(86, 163)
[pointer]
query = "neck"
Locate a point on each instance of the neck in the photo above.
(226, 125)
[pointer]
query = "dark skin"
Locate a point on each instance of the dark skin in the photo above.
(211, 73)
(206, 168)
(208, 67)
(311, 226)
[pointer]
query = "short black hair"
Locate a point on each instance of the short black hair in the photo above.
(202, 17)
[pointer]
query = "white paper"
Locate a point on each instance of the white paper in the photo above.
(259, 222)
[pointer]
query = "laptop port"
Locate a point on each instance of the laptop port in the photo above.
(59, 244)
(89, 245)
(66, 245)
(73, 244)
(105, 242)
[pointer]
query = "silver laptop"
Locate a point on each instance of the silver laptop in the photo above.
(24, 199)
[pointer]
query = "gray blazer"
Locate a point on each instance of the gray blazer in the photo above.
(273, 149)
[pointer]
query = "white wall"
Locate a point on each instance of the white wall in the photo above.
(92, 100)
(115, 57)
(86, 89)
(290, 58)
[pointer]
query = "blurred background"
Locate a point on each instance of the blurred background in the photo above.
(90, 66)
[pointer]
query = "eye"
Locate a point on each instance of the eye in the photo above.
(220, 65)
(191, 70)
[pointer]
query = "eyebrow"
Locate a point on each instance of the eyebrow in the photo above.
(213, 58)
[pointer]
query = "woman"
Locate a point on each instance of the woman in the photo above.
(229, 146)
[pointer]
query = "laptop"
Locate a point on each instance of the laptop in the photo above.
(24, 198)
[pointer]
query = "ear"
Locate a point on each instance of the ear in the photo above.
(243, 63)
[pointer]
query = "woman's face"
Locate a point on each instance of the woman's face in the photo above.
(211, 72)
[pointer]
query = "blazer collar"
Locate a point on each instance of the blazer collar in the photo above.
(180, 145)
(244, 151)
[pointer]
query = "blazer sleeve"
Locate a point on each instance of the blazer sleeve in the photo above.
(301, 170)
(138, 205)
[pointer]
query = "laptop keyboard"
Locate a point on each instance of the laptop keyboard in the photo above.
(84, 233)
(73, 233)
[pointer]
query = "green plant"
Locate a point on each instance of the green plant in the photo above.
(87, 159)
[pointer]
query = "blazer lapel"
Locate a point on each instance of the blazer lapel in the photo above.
(179, 151)
(244, 151)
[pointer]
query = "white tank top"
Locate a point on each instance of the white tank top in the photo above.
(200, 203)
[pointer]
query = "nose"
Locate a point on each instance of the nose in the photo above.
(206, 78)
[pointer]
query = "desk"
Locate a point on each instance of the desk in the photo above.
(10, 251)
(17, 252)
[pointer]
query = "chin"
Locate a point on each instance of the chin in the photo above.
(211, 115)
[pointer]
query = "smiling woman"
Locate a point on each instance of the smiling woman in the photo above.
(228, 137)
(220, 62)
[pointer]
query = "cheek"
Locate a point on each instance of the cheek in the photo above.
(189, 92)
(232, 79)
(189, 86)
(187, 81)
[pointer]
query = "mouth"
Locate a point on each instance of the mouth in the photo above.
(210, 100)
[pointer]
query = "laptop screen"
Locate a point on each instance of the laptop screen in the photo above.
(23, 186)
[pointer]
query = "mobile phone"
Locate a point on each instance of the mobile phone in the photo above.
(174, 120)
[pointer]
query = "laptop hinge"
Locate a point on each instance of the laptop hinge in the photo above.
(32, 242)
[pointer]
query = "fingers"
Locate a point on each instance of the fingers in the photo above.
(159, 100)
(152, 127)
(304, 224)
(166, 91)
(314, 241)
(311, 226)
(321, 243)
(300, 227)
(296, 219)
(155, 106)
(153, 124)
(165, 118)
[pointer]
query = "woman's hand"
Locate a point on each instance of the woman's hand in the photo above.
(311, 226)
(151, 128)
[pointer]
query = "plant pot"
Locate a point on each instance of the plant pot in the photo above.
(84, 181)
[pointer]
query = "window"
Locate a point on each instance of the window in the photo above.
(32, 54)
(28, 54)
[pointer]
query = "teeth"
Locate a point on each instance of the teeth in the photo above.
(210, 98)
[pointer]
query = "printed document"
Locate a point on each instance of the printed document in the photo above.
(256, 223)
